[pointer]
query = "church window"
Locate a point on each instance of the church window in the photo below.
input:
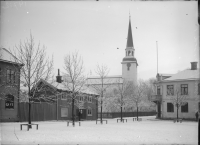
(129, 52)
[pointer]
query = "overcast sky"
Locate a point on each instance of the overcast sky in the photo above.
(97, 29)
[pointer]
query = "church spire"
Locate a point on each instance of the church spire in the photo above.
(129, 38)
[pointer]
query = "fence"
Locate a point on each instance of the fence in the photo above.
(39, 112)
(125, 114)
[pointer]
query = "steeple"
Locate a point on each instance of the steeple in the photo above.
(129, 62)
(129, 38)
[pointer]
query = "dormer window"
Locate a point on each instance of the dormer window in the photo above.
(81, 99)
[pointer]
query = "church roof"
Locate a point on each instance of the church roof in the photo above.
(129, 38)
(107, 80)
(129, 59)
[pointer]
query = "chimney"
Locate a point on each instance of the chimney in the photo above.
(58, 77)
(193, 65)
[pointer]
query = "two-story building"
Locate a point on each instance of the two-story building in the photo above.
(9, 86)
(184, 88)
(85, 105)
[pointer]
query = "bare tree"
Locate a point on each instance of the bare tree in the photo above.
(101, 84)
(36, 66)
(74, 77)
(150, 89)
(137, 94)
(178, 97)
(121, 93)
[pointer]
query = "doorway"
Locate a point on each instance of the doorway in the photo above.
(159, 109)
(82, 113)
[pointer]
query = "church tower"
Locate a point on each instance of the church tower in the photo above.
(129, 62)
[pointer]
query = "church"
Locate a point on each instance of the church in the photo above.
(129, 65)
(106, 85)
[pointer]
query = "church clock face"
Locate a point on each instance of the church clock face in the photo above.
(128, 66)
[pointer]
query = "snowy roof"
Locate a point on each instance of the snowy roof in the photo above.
(61, 86)
(184, 75)
(7, 56)
(161, 74)
(107, 80)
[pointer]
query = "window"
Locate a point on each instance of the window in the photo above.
(89, 112)
(199, 106)
(90, 99)
(184, 89)
(158, 90)
(10, 76)
(64, 112)
(0, 75)
(170, 107)
(199, 89)
(184, 108)
(63, 96)
(81, 98)
(9, 102)
(170, 90)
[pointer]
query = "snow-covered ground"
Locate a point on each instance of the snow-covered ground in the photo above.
(148, 131)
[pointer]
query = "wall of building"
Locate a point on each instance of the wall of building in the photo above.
(192, 98)
(130, 74)
(9, 88)
(65, 109)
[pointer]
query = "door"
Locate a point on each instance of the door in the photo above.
(81, 112)
(159, 109)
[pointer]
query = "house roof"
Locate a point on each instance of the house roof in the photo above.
(184, 75)
(7, 56)
(61, 86)
(107, 80)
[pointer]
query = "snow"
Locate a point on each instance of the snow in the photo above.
(147, 131)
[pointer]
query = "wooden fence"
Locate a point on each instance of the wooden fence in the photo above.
(125, 114)
(39, 112)
(46, 111)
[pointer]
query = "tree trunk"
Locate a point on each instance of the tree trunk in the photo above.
(29, 113)
(121, 113)
(137, 112)
(101, 112)
(73, 111)
(177, 112)
(79, 114)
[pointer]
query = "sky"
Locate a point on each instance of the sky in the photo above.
(97, 29)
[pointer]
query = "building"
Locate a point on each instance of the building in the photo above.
(185, 82)
(9, 86)
(86, 104)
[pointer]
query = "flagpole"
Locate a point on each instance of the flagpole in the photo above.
(157, 55)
